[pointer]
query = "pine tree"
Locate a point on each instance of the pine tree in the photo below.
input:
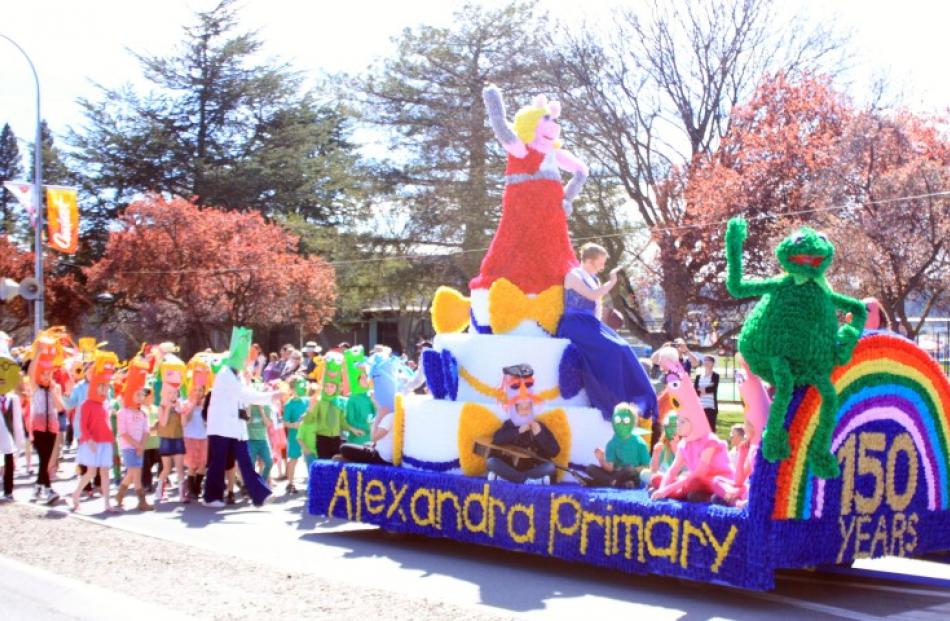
(11, 169)
(429, 96)
(219, 128)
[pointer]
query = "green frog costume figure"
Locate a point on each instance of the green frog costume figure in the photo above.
(626, 453)
(360, 410)
(792, 338)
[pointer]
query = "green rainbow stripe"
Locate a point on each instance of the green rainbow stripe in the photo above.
(889, 378)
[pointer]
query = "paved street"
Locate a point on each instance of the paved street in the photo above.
(493, 583)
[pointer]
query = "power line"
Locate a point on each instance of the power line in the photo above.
(620, 233)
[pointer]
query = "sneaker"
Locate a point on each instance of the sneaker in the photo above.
(215, 504)
(545, 480)
(491, 476)
(51, 496)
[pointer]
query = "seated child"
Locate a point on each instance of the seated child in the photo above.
(521, 430)
(626, 454)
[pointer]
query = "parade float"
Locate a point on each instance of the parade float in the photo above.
(867, 411)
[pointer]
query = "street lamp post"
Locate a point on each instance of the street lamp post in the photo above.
(37, 200)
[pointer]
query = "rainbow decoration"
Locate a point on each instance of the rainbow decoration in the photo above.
(888, 379)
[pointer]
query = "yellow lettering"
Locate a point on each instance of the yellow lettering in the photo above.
(342, 490)
(493, 503)
(441, 497)
(359, 495)
(629, 521)
(901, 444)
(586, 518)
(556, 526)
(429, 518)
(845, 535)
(880, 535)
(722, 549)
(860, 535)
(912, 520)
(668, 551)
(846, 459)
(870, 465)
(396, 504)
(528, 535)
(482, 500)
(374, 496)
(898, 530)
(689, 531)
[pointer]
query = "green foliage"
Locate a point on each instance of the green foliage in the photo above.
(223, 129)
(11, 169)
(428, 96)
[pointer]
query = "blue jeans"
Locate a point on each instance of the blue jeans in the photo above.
(220, 448)
(509, 473)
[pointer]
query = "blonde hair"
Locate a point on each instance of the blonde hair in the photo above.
(527, 119)
(591, 250)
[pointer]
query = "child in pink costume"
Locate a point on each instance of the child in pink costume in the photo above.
(700, 452)
(735, 491)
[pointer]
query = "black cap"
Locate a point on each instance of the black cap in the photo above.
(519, 370)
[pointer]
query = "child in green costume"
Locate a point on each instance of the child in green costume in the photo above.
(360, 409)
(626, 454)
(294, 411)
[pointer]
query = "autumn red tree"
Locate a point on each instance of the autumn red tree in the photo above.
(179, 271)
(774, 167)
(66, 299)
(894, 235)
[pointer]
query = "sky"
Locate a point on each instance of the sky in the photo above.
(77, 44)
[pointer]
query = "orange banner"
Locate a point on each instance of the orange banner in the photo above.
(62, 214)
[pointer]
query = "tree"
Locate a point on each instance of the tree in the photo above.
(894, 247)
(65, 296)
(654, 96)
(428, 95)
(222, 128)
(55, 170)
(11, 169)
(181, 271)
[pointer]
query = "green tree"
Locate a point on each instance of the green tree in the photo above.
(427, 96)
(223, 129)
(11, 169)
(55, 170)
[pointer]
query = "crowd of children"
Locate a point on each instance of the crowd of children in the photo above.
(144, 424)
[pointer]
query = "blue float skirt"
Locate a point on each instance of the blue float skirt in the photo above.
(612, 372)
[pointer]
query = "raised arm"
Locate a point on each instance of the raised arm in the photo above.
(495, 107)
(736, 233)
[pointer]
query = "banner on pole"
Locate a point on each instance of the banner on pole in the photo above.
(23, 192)
(63, 217)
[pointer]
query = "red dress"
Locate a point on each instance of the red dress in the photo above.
(531, 247)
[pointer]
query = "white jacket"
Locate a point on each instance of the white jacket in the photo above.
(227, 395)
(11, 443)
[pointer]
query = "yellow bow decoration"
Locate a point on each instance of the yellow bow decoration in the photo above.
(450, 311)
(477, 421)
(508, 306)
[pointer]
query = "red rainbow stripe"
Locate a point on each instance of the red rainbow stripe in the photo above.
(877, 359)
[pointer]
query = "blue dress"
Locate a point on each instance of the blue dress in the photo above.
(612, 372)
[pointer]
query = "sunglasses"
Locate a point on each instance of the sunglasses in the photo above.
(515, 386)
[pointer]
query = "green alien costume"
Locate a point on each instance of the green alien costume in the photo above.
(325, 418)
(792, 338)
(360, 410)
(626, 453)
